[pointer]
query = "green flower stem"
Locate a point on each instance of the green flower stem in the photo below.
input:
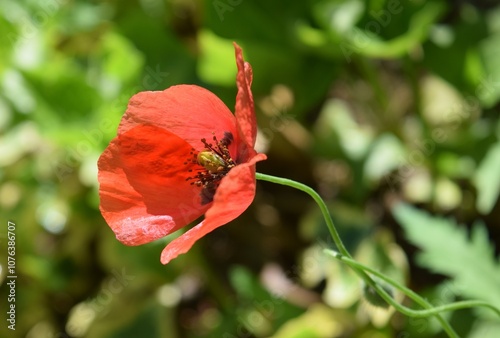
(431, 311)
(359, 269)
(311, 192)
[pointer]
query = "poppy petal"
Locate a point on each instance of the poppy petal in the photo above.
(188, 111)
(143, 188)
(234, 194)
(244, 110)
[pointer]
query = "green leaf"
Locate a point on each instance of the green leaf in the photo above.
(317, 322)
(257, 20)
(485, 329)
(447, 249)
(386, 154)
(366, 38)
(487, 180)
(120, 60)
(338, 17)
(254, 300)
(488, 90)
(457, 59)
(419, 25)
(216, 63)
(336, 127)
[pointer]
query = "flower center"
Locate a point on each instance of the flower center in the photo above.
(216, 162)
(211, 161)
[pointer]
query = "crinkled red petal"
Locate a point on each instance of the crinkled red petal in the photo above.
(244, 111)
(234, 194)
(188, 111)
(143, 189)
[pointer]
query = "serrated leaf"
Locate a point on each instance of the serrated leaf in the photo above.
(447, 249)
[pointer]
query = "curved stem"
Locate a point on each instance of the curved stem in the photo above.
(360, 269)
(311, 192)
(431, 311)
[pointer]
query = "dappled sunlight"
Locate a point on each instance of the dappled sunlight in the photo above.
(134, 134)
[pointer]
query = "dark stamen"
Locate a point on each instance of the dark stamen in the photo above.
(214, 166)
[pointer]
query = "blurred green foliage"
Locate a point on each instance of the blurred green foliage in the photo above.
(370, 102)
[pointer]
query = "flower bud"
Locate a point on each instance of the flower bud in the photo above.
(372, 296)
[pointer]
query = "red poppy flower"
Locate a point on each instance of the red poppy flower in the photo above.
(180, 153)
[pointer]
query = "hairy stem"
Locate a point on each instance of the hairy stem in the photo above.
(362, 270)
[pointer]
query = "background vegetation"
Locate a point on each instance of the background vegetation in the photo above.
(389, 108)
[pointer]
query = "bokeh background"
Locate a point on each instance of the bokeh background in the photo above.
(388, 108)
